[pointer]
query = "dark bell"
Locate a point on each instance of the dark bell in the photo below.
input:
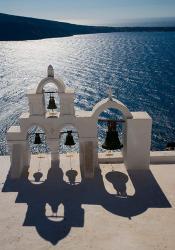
(37, 139)
(52, 105)
(69, 139)
(112, 141)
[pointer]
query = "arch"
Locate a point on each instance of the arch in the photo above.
(102, 128)
(29, 126)
(72, 169)
(33, 148)
(58, 82)
(68, 124)
(108, 103)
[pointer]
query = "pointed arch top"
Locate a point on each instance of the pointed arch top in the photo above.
(108, 103)
(58, 83)
(37, 125)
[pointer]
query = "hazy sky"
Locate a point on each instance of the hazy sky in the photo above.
(90, 11)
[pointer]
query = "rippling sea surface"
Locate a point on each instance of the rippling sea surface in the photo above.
(140, 68)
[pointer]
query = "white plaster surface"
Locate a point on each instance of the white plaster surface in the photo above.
(151, 229)
(136, 129)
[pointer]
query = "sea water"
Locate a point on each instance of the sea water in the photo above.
(138, 66)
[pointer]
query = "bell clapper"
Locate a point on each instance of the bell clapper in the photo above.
(69, 142)
(38, 141)
(110, 154)
(39, 162)
(112, 141)
(70, 161)
(52, 105)
(40, 156)
(70, 155)
(111, 163)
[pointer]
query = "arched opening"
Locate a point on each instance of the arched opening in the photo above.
(110, 147)
(117, 110)
(40, 157)
(109, 115)
(51, 100)
(69, 155)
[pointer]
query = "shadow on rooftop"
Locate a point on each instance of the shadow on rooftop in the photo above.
(55, 191)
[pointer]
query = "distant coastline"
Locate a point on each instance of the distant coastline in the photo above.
(17, 28)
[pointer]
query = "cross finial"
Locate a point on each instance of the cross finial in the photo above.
(110, 93)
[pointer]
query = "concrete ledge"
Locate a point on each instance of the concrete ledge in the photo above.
(162, 157)
(14, 129)
(82, 113)
(52, 114)
(69, 90)
(25, 115)
(14, 134)
(104, 158)
(156, 157)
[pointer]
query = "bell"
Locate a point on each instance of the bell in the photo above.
(37, 139)
(52, 104)
(112, 141)
(69, 139)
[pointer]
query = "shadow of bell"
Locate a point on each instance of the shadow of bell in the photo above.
(114, 176)
(118, 181)
(71, 174)
(37, 176)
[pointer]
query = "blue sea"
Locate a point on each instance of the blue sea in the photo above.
(139, 67)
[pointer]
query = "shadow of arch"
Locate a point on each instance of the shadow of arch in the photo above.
(148, 194)
(51, 231)
(54, 191)
(92, 191)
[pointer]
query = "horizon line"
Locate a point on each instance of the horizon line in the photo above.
(130, 20)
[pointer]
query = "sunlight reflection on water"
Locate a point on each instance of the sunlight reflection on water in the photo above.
(140, 66)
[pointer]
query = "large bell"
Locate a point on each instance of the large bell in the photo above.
(52, 105)
(37, 139)
(112, 141)
(69, 139)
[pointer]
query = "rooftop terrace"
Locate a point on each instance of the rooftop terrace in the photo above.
(118, 209)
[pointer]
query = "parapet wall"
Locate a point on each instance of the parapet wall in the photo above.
(156, 157)
(136, 136)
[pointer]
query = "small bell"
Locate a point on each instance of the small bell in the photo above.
(112, 141)
(52, 105)
(37, 139)
(69, 139)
